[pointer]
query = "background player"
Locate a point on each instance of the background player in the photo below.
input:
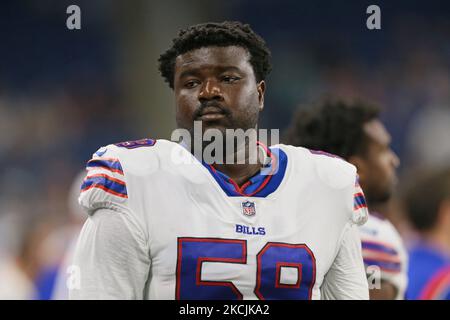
(354, 132)
(160, 230)
(428, 209)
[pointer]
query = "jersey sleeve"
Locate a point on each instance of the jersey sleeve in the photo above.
(360, 213)
(340, 175)
(111, 259)
(105, 183)
(346, 279)
(385, 254)
(112, 254)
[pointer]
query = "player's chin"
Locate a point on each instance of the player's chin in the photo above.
(220, 125)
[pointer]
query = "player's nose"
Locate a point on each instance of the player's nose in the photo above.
(210, 91)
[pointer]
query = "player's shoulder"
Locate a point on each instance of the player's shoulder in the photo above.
(385, 229)
(134, 157)
(112, 168)
(135, 148)
(381, 231)
(331, 172)
(329, 168)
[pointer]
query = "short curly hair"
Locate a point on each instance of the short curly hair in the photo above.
(334, 126)
(227, 33)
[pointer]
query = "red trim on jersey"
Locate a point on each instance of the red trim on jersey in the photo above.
(99, 186)
(105, 167)
(105, 176)
(279, 244)
(387, 245)
(238, 189)
(438, 282)
(278, 283)
(106, 159)
(270, 175)
(380, 256)
(200, 261)
(241, 190)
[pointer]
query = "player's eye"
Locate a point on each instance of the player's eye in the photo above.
(230, 79)
(191, 84)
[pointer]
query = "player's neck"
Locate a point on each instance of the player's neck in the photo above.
(240, 172)
(378, 209)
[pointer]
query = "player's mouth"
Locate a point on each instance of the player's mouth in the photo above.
(211, 114)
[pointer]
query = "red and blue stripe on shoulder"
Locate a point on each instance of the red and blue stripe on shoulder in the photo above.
(383, 255)
(106, 173)
(359, 200)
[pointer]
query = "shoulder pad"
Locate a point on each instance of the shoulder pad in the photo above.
(104, 185)
(333, 170)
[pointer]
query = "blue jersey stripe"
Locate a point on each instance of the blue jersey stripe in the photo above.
(385, 265)
(360, 201)
(113, 165)
(378, 247)
(106, 183)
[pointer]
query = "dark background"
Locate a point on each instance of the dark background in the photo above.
(64, 93)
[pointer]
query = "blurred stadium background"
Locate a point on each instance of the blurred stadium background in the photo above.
(65, 93)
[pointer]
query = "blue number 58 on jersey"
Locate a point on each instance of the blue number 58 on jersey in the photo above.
(271, 261)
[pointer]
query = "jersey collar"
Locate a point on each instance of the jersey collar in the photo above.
(260, 185)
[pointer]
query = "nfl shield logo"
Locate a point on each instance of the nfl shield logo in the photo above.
(248, 208)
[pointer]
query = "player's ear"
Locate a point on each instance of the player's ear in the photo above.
(360, 165)
(261, 87)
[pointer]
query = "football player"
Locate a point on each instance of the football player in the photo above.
(354, 132)
(428, 208)
(164, 229)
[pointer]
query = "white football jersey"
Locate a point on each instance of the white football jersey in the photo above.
(384, 252)
(161, 228)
